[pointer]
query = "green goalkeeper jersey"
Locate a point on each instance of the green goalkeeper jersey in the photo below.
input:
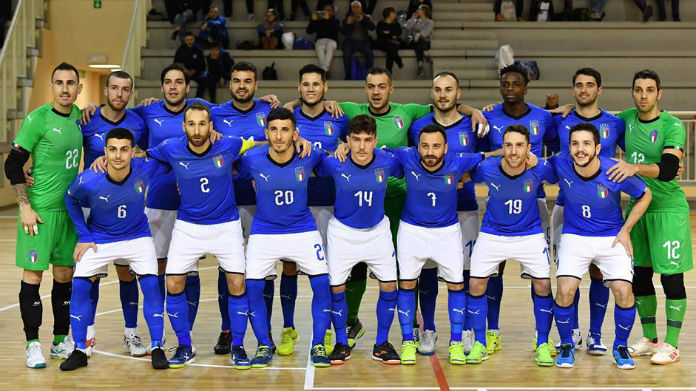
(392, 130)
(645, 142)
(55, 143)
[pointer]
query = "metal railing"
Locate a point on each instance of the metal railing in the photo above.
(21, 37)
(137, 38)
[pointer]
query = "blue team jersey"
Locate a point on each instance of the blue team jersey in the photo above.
(281, 191)
(117, 208)
(460, 138)
(431, 197)
(593, 205)
(360, 190)
(204, 180)
(163, 124)
(512, 208)
(611, 133)
(538, 121)
(94, 133)
(248, 124)
(323, 131)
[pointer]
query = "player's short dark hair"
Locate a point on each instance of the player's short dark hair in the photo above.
(515, 68)
(433, 128)
(280, 113)
(64, 66)
(447, 73)
(585, 127)
(215, 44)
(589, 72)
(379, 71)
(646, 74)
(189, 34)
(174, 67)
(197, 107)
(120, 134)
(311, 68)
(119, 75)
(521, 129)
(363, 123)
(244, 66)
(387, 11)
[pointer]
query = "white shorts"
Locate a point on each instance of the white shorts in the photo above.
(138, 253)
(191, 241)
(556, 229)
(529, 250)
(545, 219)
(265, 250)
(348, 246)
(578, 252)
(470, 225)
(246, 216)
(161, 223)
(322, 215)
(443, 245)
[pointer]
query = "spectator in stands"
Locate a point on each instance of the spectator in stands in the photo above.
(214, 29)
(420, 29)
(181, 12)
(646, 9)
(662, 11)
(227, 7)
(5, 15)
(191, 57)
(551, 101)
(356, 29)
(277, 5)
(219, 67)
(519, 7)
(294, 4)
(270, 31)
(326, 27)
(414, 4)
(389, 38)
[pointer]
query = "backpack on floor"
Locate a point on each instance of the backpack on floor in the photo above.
(269, 73)
(507, 9)
(541, 11)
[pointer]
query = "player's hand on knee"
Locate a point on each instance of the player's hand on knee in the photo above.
(81, 249)
(341, 152)
(334, 108)
(87, 112)
(30, 220)
(29, 180)
(621, 170)
(624, 238)
(271, 100)
(303, 147)
(99, 164)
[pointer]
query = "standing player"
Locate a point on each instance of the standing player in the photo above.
(445, 94)
(50, 135)
(283, 228)
(207, 222)
(429, 230)
(118, 91)
(594, 232)
(116, 230)
(587, 86)
(359, 232)
(515, 111)
(511, 228)
(662, 237)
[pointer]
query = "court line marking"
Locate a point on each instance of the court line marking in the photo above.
(194, 364)
(309, 371)
(510, 388)
(435, 363)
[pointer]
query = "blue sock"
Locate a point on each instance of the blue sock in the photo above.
(427, 295)
(467, 321)
(80, 308)
(406, 304)
(257, 310)
(386, 306)
(162, 286)
(623, 321)
(193, 296)
(339, 315)
(288, 297)
(128, 291)
(564, 322)
(321, 307)
(477, 308)
(456, 305)
(93, 301)
(177, 310)
(268, 292)
(599, 298)
(153, 308)
(494, 294)
(223, 302)
(576, 300)
(238, 308)
(543, 314)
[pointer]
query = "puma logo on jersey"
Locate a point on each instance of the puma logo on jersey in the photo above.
(568, 127)
(159, 121)
(673, 263)
(192, 303)
(229, 123)
(339, 313)
(174, 315)
(36, 304)
(268, 296)
(80, 182)
(568, 182)
(498, 128)
(460, 310)
(347, 177)
(157, 315)
(417, 176)
(677, 308)
(100, 136)
(623, 327)
(405, 313)
(184, 165)
(79, 318)
(562, 322)
(105, 199)
(601, 305)
(497, 187)
(545, 310)
(286, 297)
(474, 312)
(59, 131)
(392, 309)
(265, 177)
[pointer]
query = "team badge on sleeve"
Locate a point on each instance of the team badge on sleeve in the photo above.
(217, 161)
(602, 191)
(139, 187)
(329, 128)
(299, 173)
(534, 127)
(398, 122)
(261, 119)
(604, 130)
(379, 175)
(449, 179)
(528, 185)
(463, 138)
(653, 136)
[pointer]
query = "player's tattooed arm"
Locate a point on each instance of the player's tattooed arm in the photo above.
(14, 171)
(639, 208)
(29, 218)
(479, 124)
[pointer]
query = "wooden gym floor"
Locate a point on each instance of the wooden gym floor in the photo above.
(512, 368)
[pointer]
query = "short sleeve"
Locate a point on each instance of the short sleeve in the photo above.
(395, 168)
(633, 186)
(350, 109)
(467, 161)
(30, 132)
(142, 141)
(159, 152)
(344, 124)
(416, 111)
(155, 167)
(554, 144)
(477, 174)
(550, 130)
(78, 188)
(620, 133)
(243, 168)
(201, 101)
(676, 134)
(548, 174)
(326, 167)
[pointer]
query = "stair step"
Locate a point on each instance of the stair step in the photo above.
(33, 52)
(482, 64)
(13, 114)
(25, 82)
(464, 34)
(463, 44)
(468, 74)
(445, 16)
(463, 7)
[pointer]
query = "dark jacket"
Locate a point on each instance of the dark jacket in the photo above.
(221, 67)
(414, 4)
(191, 58)
(358, 31)
(324, 28)
(388, 31)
